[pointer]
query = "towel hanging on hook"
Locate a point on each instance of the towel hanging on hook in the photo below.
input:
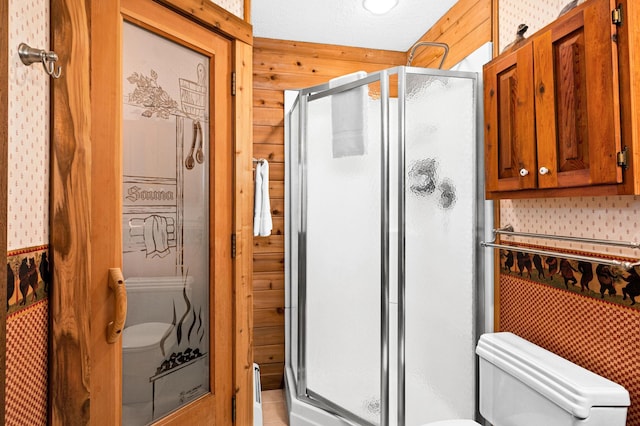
(262, 221)
(259, 161)
(29, 55)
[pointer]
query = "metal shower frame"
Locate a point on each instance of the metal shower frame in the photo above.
(320, 91)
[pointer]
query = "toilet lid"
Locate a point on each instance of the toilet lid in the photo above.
(456, 422)
(144, 336)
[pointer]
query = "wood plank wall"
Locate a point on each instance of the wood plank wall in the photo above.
(465, 28)
(280, 65)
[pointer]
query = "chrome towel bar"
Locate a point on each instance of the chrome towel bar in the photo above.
(508, 230)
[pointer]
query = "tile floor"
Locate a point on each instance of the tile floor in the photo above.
(274, 412)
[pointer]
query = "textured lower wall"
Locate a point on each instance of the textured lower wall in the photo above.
(598, 335)
(596, 327)
(27, 356)
(26, 385)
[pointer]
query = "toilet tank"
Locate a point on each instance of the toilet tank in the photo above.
(152, 299)
(522, 384)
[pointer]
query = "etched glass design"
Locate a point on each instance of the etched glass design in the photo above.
(165, 223)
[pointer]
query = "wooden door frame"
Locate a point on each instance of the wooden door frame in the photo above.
(87, 37)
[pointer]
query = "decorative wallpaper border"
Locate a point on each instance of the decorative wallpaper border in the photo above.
(28, 277)
(609, 284)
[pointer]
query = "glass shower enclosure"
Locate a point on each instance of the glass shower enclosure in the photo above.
(384, 209)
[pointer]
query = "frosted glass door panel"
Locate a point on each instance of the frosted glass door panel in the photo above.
(343, 259)
(165, 222)
(440, 224)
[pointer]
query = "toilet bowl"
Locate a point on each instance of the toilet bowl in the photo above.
(149, 338)
(525, 385)
(143, 351)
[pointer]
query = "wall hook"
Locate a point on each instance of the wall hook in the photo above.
(29, 55)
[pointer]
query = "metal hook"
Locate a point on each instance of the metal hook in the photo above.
(49, 62)
(29, 55)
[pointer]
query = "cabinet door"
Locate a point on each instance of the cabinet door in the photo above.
(576, 100)
(509, 122)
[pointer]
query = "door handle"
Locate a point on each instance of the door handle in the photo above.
(117, 284)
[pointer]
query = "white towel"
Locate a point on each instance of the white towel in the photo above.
(262, 223)
(349, 117)
(155, 236)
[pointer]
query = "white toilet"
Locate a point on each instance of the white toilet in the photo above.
(522, 384)
(148, 338)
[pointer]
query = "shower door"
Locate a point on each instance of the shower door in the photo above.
(340, 259)
(441, 211)
(382, 262)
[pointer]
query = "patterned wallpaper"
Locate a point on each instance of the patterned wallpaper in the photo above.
(27, 219)
(28, 180)
(234, 6)
(611, 218)
(572, 310)
(535, 13)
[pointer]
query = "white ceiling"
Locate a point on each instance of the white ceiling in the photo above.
(345, 22)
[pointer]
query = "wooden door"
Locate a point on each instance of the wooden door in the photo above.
(509, 122)
(86, 216)
(576, 99)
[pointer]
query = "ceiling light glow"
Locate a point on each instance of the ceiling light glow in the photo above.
(379, 7)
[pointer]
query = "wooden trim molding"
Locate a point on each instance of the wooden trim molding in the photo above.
(247, 11)
(243, 228)
(106, 145)
(69, 372)
(214, 17)
(4, 134)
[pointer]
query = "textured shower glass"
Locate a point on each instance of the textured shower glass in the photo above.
(440, 254)
(432, 132)
(343, 265)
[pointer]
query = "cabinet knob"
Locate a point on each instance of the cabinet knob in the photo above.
(524, 172)
(544, 171)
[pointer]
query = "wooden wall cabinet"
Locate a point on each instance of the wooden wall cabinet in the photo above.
(552, 114)
(510, 139)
